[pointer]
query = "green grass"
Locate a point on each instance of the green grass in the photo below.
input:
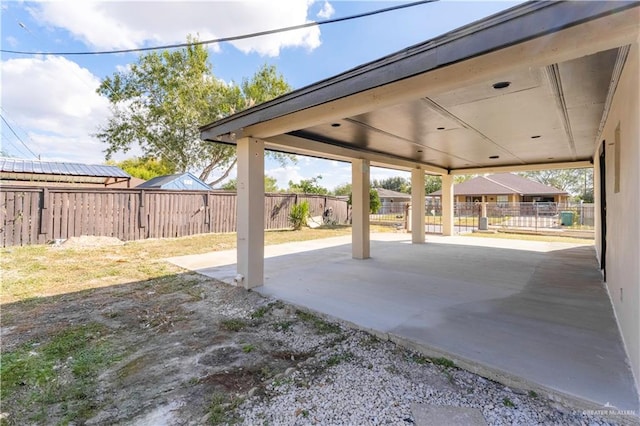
(30, 374)
(234, 324)
(443, 362)
(222, 409)
(321, 326)
(508, 403)
(336, 359)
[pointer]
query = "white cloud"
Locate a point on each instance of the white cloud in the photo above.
(126, 25)
(11, 41)
(327, 11)
(57, 97)
(285, 174)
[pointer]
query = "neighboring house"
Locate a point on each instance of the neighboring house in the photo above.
(391, 199)
(180, 182)
(505, 188)
(20, 172)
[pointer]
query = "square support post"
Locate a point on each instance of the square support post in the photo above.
(250, 189)
(360, 239)
(447, 205)
(417, 206)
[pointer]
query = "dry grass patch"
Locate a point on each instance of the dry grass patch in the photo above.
(43, 271)
(531, 237)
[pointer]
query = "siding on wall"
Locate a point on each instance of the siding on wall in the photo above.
(623, 226)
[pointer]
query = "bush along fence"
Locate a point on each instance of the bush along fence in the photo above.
(41, 215)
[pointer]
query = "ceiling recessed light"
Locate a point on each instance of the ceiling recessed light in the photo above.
(501, 85)
(494, 157)
(535, 136)
(440, 128)
(419, 150)
(549, 158)
(335, 125)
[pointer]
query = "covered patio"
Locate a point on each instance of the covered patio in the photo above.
(542, 85)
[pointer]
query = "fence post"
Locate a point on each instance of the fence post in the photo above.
(142, 210)
(45, 214)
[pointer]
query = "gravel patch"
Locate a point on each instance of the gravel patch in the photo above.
(355, 378)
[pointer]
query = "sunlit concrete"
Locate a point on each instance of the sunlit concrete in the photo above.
(533, 315)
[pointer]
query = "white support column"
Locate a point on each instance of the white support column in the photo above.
(250, 187)
(360, 243)
(447, 205)
(417, 206)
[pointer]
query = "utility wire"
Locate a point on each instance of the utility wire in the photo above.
(18, 137)
(225, 39)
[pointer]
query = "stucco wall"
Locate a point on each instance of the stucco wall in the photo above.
(623, 207)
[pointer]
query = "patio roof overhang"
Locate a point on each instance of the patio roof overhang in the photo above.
(525, 89)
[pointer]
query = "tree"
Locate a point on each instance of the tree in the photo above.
(374, 200)
(160, 102)
(395, 183)
(270, 184)
(308, 186)
(432, 184)
(577, 182)
(343, 189)
(145, 168)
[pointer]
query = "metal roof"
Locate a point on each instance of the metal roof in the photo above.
(434, 105)
(34, 170)
(178, 181)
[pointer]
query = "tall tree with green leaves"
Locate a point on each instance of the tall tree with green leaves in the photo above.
(308, 186)
(342, 189)
(394, 183)
(144, 168)
(577, 182)
(432, 184)
(160, 101)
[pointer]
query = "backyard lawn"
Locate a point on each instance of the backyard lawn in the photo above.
(100, 331)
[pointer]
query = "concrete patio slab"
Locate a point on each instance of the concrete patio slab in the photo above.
(534, 315)
(428, 415)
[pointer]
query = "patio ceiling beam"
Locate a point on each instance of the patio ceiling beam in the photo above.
(524, 168)
(302, 146)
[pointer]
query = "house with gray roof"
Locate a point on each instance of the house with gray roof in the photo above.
(505, 188)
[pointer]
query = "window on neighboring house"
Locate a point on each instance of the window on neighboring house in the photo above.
(502, 200)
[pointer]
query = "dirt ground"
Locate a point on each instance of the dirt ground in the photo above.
(184, 349)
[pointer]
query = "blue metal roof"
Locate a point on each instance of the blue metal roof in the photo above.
(15, 165)
(179, 181)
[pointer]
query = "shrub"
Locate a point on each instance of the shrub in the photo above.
(299, 215)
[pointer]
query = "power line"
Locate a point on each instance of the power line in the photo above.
(232, 38)
(18, 137)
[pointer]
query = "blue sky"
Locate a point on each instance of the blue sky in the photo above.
(50, 101)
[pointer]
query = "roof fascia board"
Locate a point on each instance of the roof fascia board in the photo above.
(524, 168)
(296, 145)
(519, 25)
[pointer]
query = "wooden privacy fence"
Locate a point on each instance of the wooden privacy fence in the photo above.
(39, 215)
